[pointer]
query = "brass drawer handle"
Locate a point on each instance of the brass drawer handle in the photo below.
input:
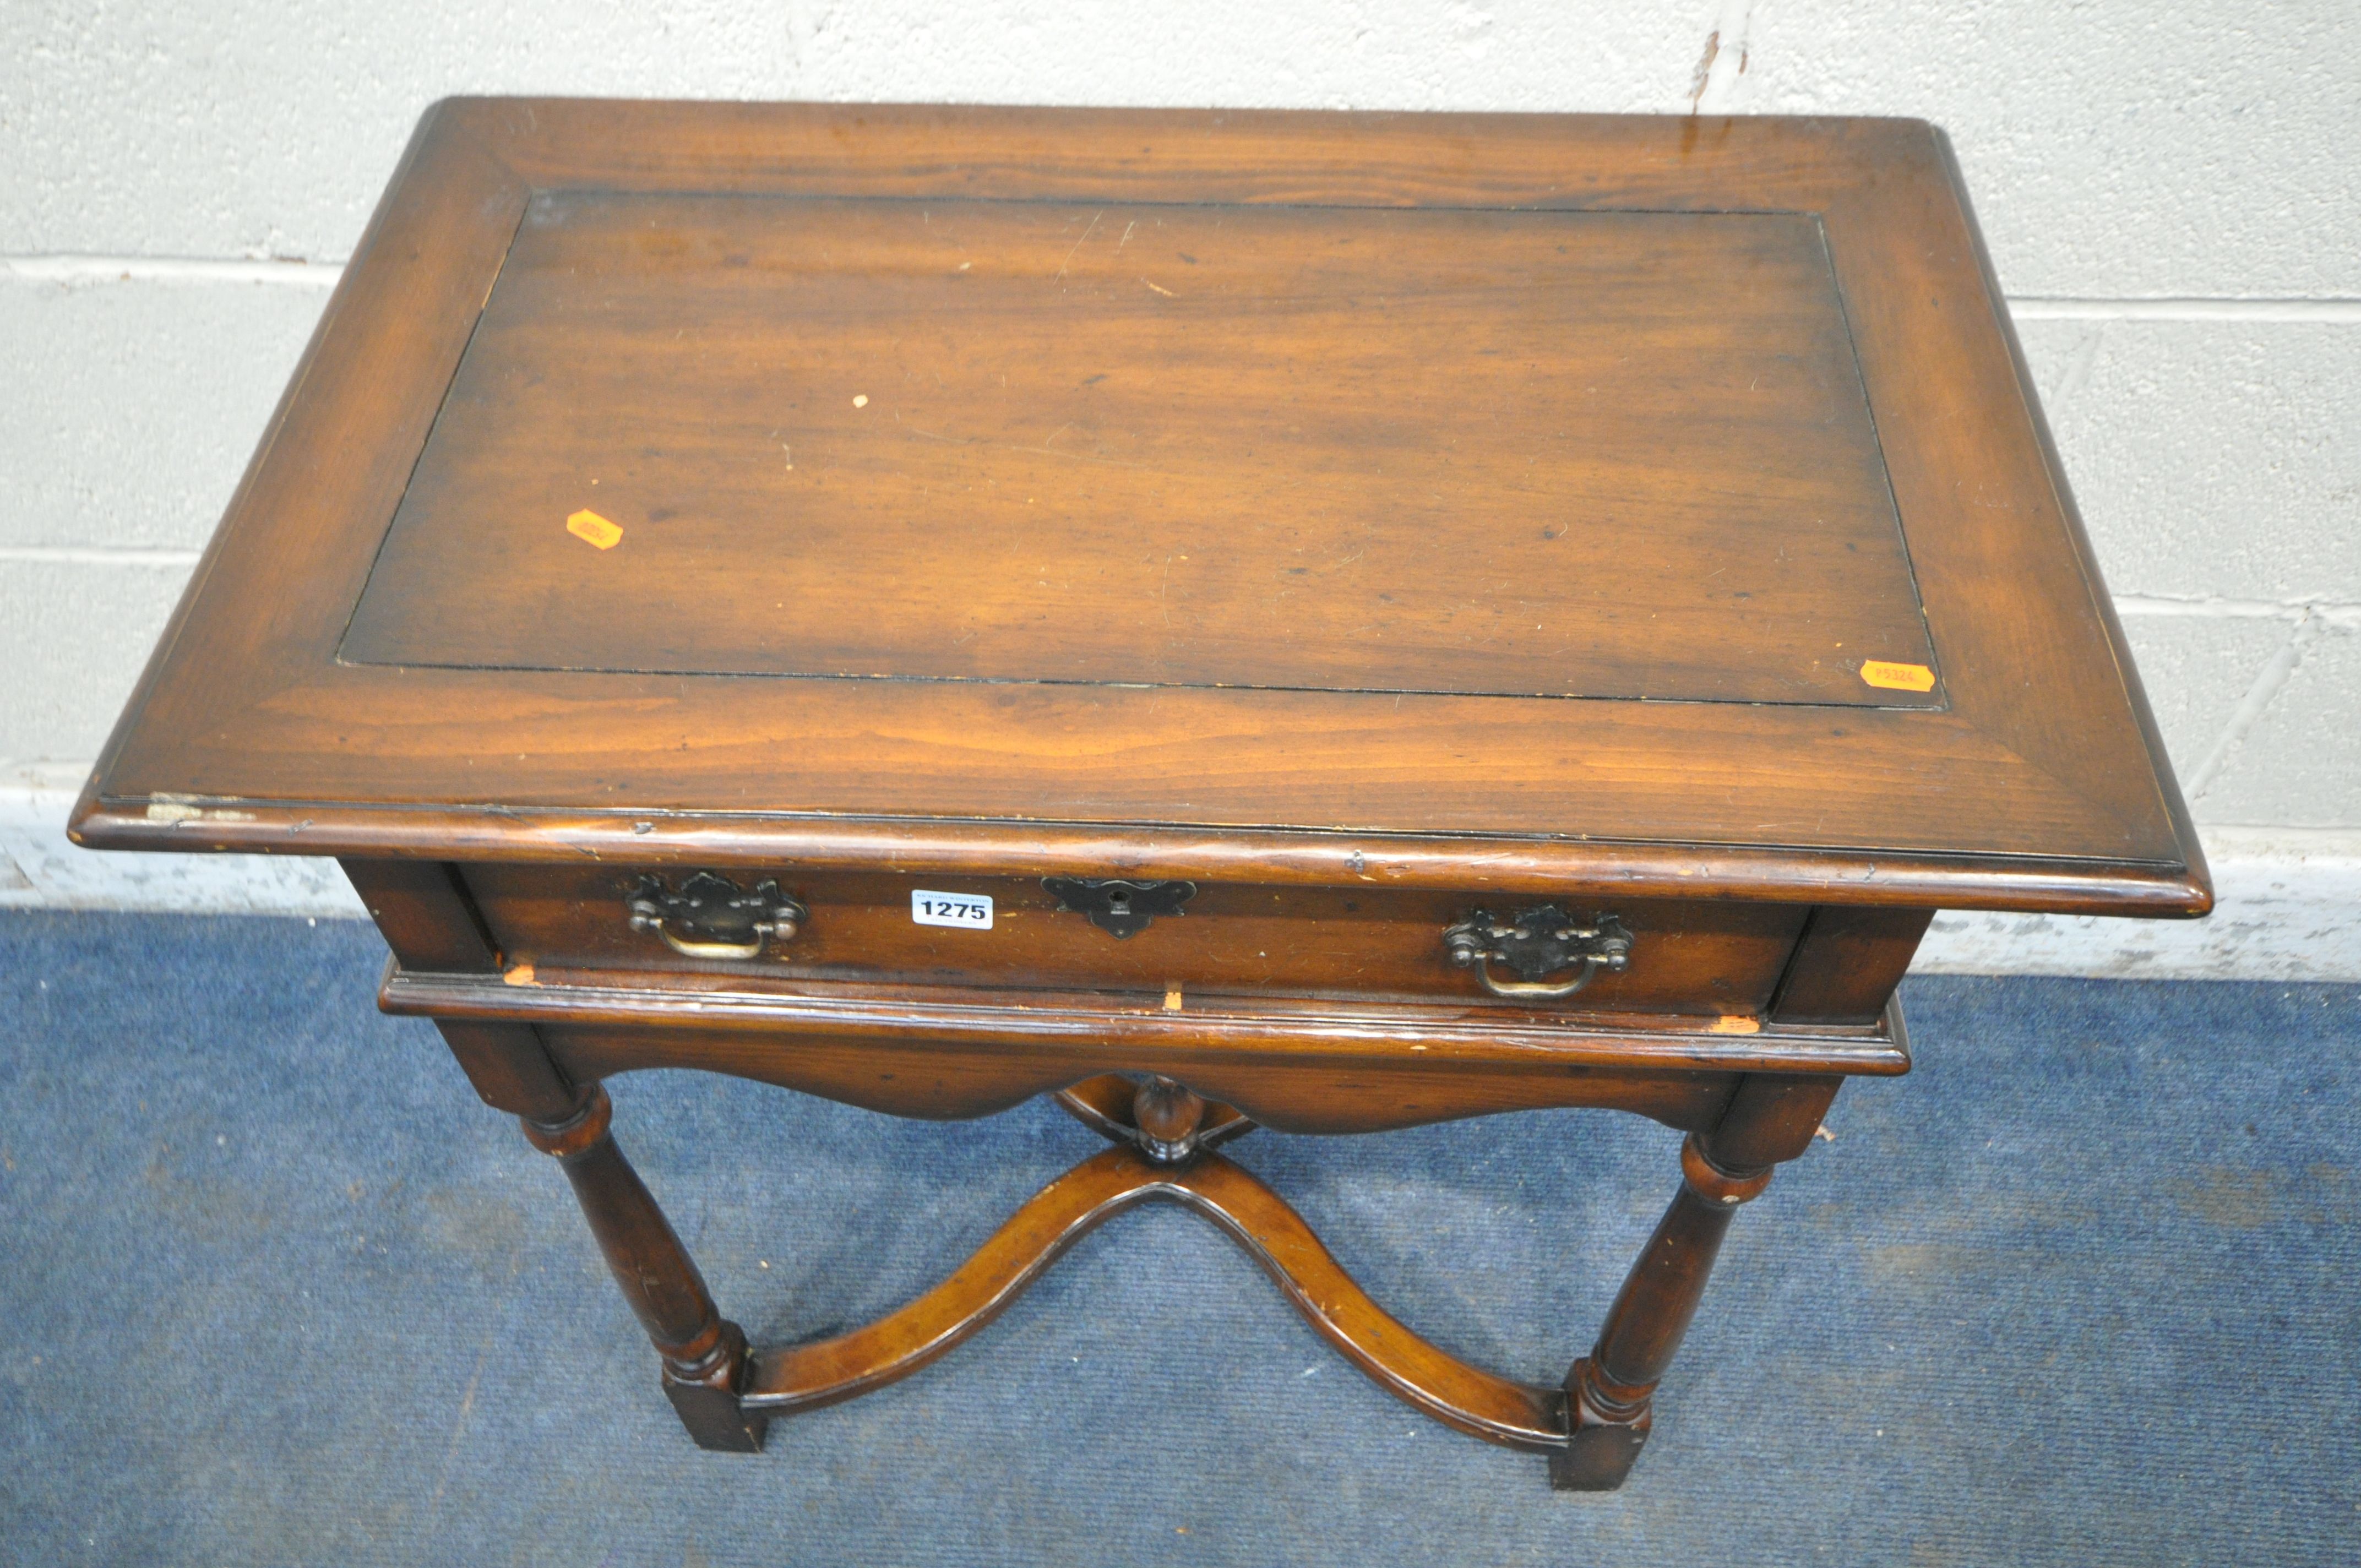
(1531, 989)
(720, 921)
(753, 950)
(1536, 944)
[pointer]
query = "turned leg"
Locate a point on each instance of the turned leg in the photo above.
(1608, 1392)
(704, 1353)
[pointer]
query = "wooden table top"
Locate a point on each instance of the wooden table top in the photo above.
(1543, 501)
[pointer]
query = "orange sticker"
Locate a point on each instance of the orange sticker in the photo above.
(593, 529)
(1898, 677)
(1734, 1023)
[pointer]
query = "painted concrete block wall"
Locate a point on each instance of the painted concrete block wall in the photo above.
(2167, 188)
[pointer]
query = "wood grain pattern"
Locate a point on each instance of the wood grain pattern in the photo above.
(1365, 518)
(703, 1353)
(1611, 1392)
(1706, 957)
(2036, 782)
(1577, 454)
(1584, 868)
(1847, 964)
(1304, 1094)
(1434, 1382)
(1082, 1024)
(423, 911)
(510, 1068)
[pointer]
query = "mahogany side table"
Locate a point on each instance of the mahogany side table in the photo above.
(1318, 622)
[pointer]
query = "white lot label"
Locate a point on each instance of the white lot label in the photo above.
(968, 910)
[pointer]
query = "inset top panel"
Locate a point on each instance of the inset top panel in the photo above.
(1621, 454)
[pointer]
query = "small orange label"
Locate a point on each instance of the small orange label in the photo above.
(593, 529)
(1898, 677)
(1734, 1023)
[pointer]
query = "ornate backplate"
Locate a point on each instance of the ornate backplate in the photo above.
(1124, 908)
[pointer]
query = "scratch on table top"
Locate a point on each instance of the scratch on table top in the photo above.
(1078, 244)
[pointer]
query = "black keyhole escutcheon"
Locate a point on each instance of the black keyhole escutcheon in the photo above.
(1120, 908)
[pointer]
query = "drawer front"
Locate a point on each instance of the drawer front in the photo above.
(1686, 957)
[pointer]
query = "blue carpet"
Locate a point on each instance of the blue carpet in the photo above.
(275, 1287)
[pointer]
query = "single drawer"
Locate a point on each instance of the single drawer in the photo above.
(1682, 957)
